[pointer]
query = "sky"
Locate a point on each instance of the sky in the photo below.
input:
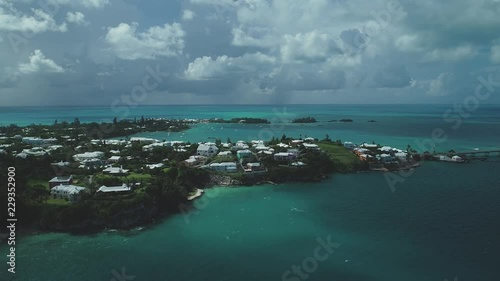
(133, 52)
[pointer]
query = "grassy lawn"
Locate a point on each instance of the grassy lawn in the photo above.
(137, 176)
(131, 176)
(56, 201)
(220, 159)
(340, 155)
(33, 182)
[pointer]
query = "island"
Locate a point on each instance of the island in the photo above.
(77, 177)
(304, 120)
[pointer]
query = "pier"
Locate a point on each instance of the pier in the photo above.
(478, 153)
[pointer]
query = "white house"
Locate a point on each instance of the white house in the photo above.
(368, 145)
(69, 192)
(114, 158)
(88, 156)
(401, 156)
(284, 156)
(38, 141)
(225, 153)
(243, 153)
(61, 181)
(241, 145)
(120, 188)
(115, 171)
(229, 167)
(311, 146)
(207, 150)
(143, 140)
(349, 145)
(154, 166)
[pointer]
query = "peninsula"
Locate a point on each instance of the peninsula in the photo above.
(73, 177)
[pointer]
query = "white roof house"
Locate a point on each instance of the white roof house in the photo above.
(261, 147)
(224, 166)
(69, 192)
(115, 170)
(283, 145)
(143, 140)
(108, 189)
(38, 141)
(208, 150)
(114, 158)
(401, 155)
(88, 156)
(311, 146)
(154, 166)
(349, 145)
(241, 145)
(225, 153)
(243, 153)
(284, 156)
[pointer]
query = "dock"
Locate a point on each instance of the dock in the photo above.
(478, 153)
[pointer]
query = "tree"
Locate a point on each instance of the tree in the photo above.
(283, 137)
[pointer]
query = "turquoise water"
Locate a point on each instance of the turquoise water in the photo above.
(397, 125)
(437, 224)
(440, 222)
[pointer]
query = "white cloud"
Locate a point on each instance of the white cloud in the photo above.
(77, 18)
(39, 63)
(409, 43)
(13, 20)
(188, 15)
(309, 47)
(85, 3)
(158, 41)
(451, 54)
(495, 54)
(442, 85)
(207, 68)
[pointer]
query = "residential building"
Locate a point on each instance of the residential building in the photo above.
(244, 154)
(88, 156)
(349, 145)
(155, 166)
(116, 171)
(208, 150)
(225, 153)
(113, 189)
(311, 146)
(229, 167)
(284, 156)
(68, 192)
(60, 181)
(114, 159)
(253, 167)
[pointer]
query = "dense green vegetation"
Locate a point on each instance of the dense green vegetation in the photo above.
(304, 120)
(161, 194)
(86, 131)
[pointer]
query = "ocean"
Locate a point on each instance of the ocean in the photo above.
(438, 223)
